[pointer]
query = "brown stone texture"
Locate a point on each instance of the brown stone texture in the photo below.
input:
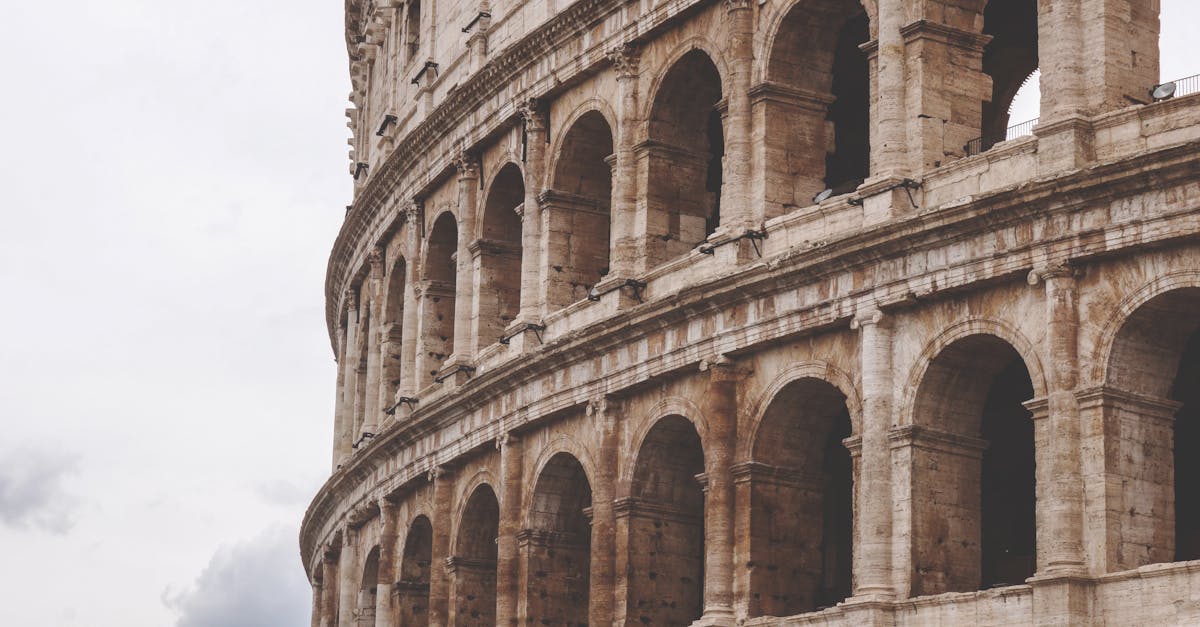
(607, 355)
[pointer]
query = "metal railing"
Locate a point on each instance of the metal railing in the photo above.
(981, 144)
(1183, 86)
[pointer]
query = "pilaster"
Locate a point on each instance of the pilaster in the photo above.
(507, 554)
(624, 251)
(467, 165)
(439, 582)
(388, 538)
(602, 579)
(531, 219)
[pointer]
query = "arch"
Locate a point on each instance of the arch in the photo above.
(974, 484)
(815, 99)
(557, 549)
(1151, 392)
(439, 283)
(1009, 59)
(966, 328)
(1102, 354)
(664, 516)
(391, 357)
(579, 201)
(559, 444)
(816, 369)
(671, 405)
(498, 254)
(681, 168)
(416, 568)
(368, 586)
(473, 565)
(801, 494)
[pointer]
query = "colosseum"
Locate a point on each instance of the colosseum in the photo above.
(688, 312)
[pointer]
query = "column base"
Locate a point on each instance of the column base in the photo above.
(523, 334)
(1065, 144)
(621, 291)
(716, 617)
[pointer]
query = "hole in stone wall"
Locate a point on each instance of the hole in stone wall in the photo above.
(1009, 59)
(392, 357)
(801, 493)
(850, 111)
(666, 526)
(559, 545)
(1009, 529)
(412, 591)
(712, 181)
(474, 564)
(437, 306)
(579, 210)
(1186, 453)
(500, 254)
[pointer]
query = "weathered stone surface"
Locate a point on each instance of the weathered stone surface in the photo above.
(608, 356)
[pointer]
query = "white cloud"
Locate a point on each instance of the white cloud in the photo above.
(258, 583)
(32, 494)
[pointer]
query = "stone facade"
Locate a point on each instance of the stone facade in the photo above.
(608, 354)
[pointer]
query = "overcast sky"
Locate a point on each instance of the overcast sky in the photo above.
(171, 179)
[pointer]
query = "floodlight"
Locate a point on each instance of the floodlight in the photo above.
(1164, 91)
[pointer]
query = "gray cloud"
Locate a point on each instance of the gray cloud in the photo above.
(31, 490)
(258, 583)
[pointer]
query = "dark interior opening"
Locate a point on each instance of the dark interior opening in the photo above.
(1009, 58)
(1009, 495)
(712, 184)
(1187, 444)
(837, 548)
(850, 161)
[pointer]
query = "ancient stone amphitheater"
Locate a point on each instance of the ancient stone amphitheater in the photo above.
(679, 312)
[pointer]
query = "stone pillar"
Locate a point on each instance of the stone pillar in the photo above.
(1064, 131)
(873, 544)
(1059, 477)
(477, 43)
(602, 579)
(624, 251)
(468, 186)
(350, 382)
(889, 114)
(721, 411)
(329, 587)
(531, 218)
(374, 345)
(736, 210)
(507, 553)
(347, 569)
(388, 537)
(341, 435)
(439, 582)
(415, 218)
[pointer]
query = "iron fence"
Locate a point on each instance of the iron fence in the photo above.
(1186, 86)
(981, 144)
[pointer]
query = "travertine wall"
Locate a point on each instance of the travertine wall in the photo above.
(603, 359)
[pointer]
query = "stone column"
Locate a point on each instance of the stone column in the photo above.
(603, 562)
(1064, 131)
(329, 588)
(439, 583)
(531, 218)
(1059, 478)
(873, 544)
(415, 218)
(350, 383)
(347, 569)
(341, 435)
(507, 553)
(477, 43)
(623, 250)
(736, 214)
(317, 598)
(892, 84)
(468, 186)
(384, 612)
(721, 411)
(371, 409)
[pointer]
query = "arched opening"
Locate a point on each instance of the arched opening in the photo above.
(393, 332)
(815, 104)
(578, 208)
(473, 567)
(801, 502)
(680, 165)
(1009, 59)
(412, 591)
(665, 521)
(1153, 412)
(367, 589)
(498, 255)
(974, 488)
(362, 348)
(557, 546)
(437, 297)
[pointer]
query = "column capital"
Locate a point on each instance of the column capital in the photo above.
(435, 473)
(736, 5)
(722, 368)
(466, 163)
(412, 210)
(505, 440)
(532, 112)
(625, 60)
(351, 299)
(872, 316)
(375, 260)
(1058, 270)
